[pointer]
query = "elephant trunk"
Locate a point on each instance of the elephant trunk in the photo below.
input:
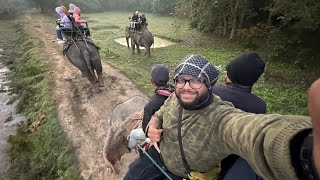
(127, 39)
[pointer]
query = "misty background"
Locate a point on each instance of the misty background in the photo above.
(290, 29)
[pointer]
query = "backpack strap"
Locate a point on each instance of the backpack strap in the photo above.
(183, 157)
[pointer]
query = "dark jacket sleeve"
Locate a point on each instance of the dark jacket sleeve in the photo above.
(152, 107)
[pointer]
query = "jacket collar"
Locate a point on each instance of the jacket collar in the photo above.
(245, 89)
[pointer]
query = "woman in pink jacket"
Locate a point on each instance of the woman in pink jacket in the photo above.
(77, 18)
(78, 21)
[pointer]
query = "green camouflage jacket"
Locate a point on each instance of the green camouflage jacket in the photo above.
(213, 133)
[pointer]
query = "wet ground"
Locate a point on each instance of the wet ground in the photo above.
(8, 117)
(158, 42)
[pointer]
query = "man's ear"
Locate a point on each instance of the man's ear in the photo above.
(227, 80)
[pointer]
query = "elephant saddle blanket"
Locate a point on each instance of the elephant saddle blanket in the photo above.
(71, 40)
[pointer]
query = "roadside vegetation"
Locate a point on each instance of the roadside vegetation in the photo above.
(39, 150)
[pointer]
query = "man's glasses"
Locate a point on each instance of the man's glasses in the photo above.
(194, 83)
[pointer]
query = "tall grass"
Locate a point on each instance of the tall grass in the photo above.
(43, 153)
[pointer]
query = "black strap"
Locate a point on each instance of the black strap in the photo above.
(185, 164)
(307, 161)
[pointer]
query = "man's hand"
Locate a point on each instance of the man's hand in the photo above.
(314, 112)
(154, 133)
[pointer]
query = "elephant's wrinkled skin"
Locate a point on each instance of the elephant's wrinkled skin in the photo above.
(144, 39)
(116, 142)
(86, 58)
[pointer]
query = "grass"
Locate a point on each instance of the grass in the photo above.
(44, 153)
(283, 86)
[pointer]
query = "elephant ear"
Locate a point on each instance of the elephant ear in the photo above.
(116, 145)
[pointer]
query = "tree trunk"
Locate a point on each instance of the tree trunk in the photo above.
(242, 14)
(234, 19)
(271, 6)
(225, 25)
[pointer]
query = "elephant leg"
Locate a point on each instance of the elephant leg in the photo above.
(148, 51)
(92, 80)
(98, 67)
(133, 45)
(138, 49)
(127, 40)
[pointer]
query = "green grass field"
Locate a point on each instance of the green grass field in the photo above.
(44, 154)
(283, 86)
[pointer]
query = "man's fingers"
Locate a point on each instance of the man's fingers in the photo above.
(314, 103)
(314, 112)
(156, 146)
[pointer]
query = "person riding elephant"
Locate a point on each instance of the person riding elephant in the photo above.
(143, 20)
(71, 9)
(134, 21)
(65, 9)
(78, 21)
(194, 130)
(144, 39)
(64, 25)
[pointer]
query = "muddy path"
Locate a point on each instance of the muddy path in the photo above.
(83, 115)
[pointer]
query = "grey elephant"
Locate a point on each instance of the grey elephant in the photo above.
(84, 55)
(116, 142)
(143, 38)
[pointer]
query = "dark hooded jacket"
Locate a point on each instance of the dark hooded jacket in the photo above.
(241, 97)
(160, 95)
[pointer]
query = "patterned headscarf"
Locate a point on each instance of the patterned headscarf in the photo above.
(198, 66)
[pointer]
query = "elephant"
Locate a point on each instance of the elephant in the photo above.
(116, 142)
(84, 55)
(143, 38)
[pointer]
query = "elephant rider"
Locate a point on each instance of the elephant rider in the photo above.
(63, 25)
(159, 78)
(71, 9)
(195, 130)
(78, 22)
(134, 23)
(143, 20)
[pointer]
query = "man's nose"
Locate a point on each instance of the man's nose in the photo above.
(187, 85)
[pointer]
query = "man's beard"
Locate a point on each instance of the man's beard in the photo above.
(198, 103)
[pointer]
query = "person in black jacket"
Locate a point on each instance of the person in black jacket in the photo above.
(159, 78)
(242, 73)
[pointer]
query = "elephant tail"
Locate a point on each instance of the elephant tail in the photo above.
(86, 56)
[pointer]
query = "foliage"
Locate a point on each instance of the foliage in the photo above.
(291, 28)
(163, 7)
(44, 153)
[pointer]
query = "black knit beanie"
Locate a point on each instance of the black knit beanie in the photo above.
(160, 74)
(245, 69)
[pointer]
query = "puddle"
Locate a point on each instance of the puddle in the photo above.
(8, 117)
(158, 42)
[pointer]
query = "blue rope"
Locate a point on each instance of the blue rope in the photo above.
(154, 162)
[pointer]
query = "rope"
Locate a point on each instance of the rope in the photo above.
(154, 162)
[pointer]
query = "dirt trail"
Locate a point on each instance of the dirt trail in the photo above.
(82, 115)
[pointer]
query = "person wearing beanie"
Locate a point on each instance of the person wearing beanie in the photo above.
(159, 78)
(194, 130)
(242, 72)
